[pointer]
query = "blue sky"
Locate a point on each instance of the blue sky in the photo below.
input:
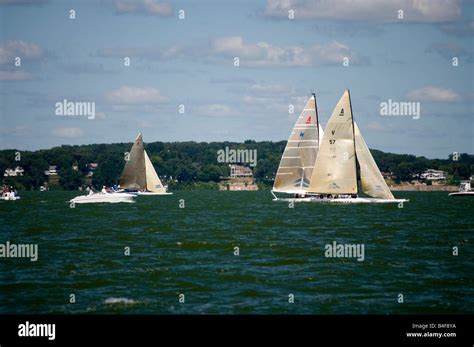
(190, 61)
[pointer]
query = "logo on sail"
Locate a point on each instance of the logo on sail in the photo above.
(301, 182)
(341, 114)
(308, 120)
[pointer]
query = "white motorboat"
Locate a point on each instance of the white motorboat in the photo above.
(464, 189)
(8, 196)
(95, 198)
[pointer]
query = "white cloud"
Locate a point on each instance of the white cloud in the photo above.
(25, 50)
(216, 110)
(275, 89)
(127, 95)
(367, 10)
(14, 75)
(23, 2)
(147, 7)
(67, 132)
(151, 53)
(260, 54)
(435, 94)
(263, 54)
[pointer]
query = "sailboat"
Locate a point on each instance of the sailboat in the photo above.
(297, 162)
(334, 177)
(139, 176)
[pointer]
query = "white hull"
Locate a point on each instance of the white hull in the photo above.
(97, 198)
(469, 193)
(345, 200)
(143, 193)
(9, 198)
(151, 193)
(358, 200)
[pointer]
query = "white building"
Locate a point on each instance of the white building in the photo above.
(240, 171)
(51, 171)
(91, 167)
(18, 171)
(433, 175)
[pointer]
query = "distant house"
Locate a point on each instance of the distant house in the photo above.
(433, 175)
(75, 167)
(237, 171)
(18, 171)
(241, 178)
(387, 174)
(51, 171)
(91, 167)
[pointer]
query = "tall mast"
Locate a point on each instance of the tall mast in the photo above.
(317, 118)
(353, 137)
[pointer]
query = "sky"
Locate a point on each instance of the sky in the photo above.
(182, 83)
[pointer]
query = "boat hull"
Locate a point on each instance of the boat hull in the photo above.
(152, 194)
(471, 193)
(144, 193)
(9, 198)
(99, 198)
(358, 200)
(344, 201)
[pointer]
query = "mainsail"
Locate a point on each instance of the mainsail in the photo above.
(373, 183)
(139, 173)
(153, 182)
(299, 156)
(134, 173)
(335, 167)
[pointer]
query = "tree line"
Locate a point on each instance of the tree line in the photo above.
(191, 165)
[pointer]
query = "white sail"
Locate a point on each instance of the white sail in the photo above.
(335, 167)
(134, 173)
(299, 156)
(372, 181)
(153, 182)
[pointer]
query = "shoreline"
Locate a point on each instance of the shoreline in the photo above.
(423, 188)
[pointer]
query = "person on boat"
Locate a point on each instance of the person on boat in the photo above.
(104, 190)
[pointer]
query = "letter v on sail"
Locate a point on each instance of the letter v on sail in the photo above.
(297, 162)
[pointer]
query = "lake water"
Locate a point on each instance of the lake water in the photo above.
(191, 251)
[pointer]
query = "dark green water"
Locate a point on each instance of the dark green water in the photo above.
(191, 251)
